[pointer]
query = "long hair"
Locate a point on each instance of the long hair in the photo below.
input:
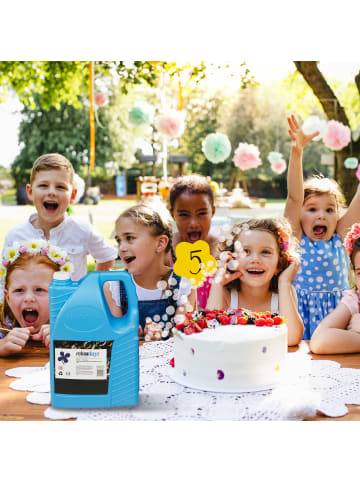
(22, 262)
(275, 226)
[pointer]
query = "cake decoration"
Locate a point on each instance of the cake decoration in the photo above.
(220, 374)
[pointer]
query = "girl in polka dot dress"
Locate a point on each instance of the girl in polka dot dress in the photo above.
(144, 235)
(313, 209)
(339, 332)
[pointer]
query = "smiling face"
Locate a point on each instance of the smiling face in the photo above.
(51, 192)
(27, 294)
(139, 249)
(259, 258)
(319, 216)
(192, 214)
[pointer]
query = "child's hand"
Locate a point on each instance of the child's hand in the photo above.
(300, 140)
(229, 268)
(43, 335)
(152, 331)
(354, 323)
(14, 341)
(290, 272)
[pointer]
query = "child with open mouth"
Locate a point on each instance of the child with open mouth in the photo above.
(313, 209)
(26, 271)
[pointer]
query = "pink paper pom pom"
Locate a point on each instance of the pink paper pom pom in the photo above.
(247, 156)
(101, 99)
(279, 167)
(171, 123)
(357, 173)
(338, 135)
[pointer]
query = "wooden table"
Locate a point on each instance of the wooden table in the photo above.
(13, 405)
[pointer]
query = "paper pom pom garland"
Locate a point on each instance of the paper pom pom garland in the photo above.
(171, 123)
(141, 113)
(357, 173)
(338, 135)
(277, 163)
(247, 156)
(216, 147)
(312, 124)
(101, 99)
(351, 163)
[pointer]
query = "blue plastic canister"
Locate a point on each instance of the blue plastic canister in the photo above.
(94, 356)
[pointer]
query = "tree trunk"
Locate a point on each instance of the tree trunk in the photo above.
(334, 111)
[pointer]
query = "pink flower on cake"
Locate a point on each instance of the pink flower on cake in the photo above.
(247, 156)
(350, 238)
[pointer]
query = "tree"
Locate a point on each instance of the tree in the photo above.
(64, 130)
(335, 110)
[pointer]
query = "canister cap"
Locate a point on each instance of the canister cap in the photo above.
(61, 275)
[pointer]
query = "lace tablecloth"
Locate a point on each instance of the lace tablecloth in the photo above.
(307, 386)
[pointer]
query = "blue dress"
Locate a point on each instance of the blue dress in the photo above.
(321, 280)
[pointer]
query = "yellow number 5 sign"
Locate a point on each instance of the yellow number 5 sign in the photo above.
(194, 262)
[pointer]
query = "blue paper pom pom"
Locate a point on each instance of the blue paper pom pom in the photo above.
(216, 147)
(274, 156)
(140, 114)
(351, 163)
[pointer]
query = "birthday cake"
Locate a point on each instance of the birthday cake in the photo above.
(229, 351)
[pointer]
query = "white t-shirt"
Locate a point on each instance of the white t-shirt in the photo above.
(145, 294)
(77, 237)
(274, 303)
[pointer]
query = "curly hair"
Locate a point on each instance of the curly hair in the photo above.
(274, 226)
(22, 262)
(193, 184)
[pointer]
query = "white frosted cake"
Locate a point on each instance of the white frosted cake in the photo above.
(230, 358)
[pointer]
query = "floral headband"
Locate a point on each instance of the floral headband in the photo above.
(35, 246)
(284, 238)
(350, 238)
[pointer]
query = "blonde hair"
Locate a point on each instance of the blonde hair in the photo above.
(279, 228)
(318, 185)
(22, 262)
(48, 162)
(153, 215)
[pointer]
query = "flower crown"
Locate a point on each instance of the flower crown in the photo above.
(284, 238)
(350, 238)
(36, 246)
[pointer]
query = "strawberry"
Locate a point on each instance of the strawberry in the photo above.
(211, 315)
(198, 329)
(172, 362)
(260, 322)
(179, 326)
(277, 320)
(189, 330)
(241, 320)
(224, 319)
(269, 322)
(189, 315)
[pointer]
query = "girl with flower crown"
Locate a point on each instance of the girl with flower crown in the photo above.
(257, 265)
(339, 332)
(26, 270)
(313, 208)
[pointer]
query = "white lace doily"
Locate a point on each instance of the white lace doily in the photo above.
(307, 386)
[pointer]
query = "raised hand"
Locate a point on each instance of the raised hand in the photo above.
(289, 273)
(300, 140)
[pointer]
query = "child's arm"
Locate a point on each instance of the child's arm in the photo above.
(107, 266)
(113, 307)
(350, 217)
(288, 303)
(332, 337)
(295, 182)
(14, 341)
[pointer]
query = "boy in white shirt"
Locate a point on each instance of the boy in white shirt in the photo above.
(51, 190)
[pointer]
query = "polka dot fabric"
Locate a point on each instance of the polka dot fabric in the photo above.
(321, 280)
